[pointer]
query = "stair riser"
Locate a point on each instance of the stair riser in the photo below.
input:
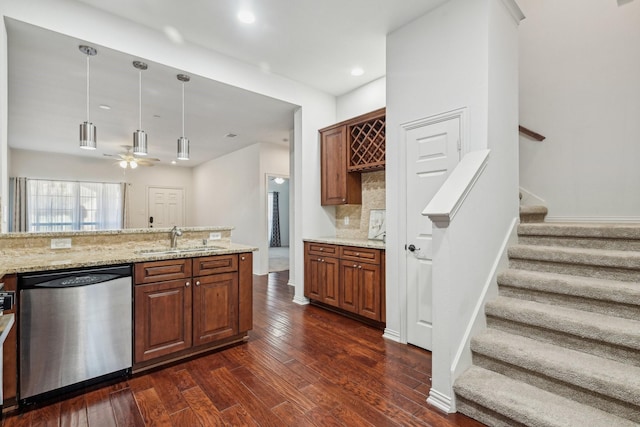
(595, 347)
(528, 218)
(576, 302)
(580, 242)
(484, 415)
(588, 396)
(610, 273)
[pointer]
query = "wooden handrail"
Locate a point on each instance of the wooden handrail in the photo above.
(531, 134)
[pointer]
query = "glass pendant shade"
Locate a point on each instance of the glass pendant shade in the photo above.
(88, 136)
(140, 143)
(183, 148)
(123, 164)
(88, 139)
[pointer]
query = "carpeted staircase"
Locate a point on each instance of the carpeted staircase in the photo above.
(562, 346)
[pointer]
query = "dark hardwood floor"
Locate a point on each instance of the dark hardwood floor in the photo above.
(302, 366)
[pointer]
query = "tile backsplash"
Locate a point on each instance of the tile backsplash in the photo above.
(373, 197)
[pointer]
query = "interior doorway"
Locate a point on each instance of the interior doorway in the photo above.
(278, 222)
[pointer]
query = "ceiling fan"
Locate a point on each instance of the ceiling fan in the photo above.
(129, 160)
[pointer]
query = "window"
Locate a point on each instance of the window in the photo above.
(70, 205)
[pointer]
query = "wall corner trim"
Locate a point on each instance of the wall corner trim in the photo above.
(391, 335)
(441, 401)
(301, 300)
(514, 10)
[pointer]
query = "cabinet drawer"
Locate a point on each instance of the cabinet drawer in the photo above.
(321, 249)
(215, 264)
(160, 271)
(360, 254)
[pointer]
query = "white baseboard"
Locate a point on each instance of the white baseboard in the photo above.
(391, 335)
(301, 300)
(441, 401)
(596, 219)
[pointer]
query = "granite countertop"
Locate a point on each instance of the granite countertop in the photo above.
(346, 241)
(62, 259)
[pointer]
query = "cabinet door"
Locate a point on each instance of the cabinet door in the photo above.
(369, 291)
(338, 187)
(312, 277)
(162, 319)
(215, 307)
(349, 276)
(245, 293)
(330, 281)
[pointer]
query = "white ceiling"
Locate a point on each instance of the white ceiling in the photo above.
(313, 42)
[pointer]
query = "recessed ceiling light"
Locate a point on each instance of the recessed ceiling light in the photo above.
(173, 162)
(246, 16)
(357, 71)
(104, 107)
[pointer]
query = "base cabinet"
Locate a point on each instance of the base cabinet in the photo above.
(346, 277)
(209, 302)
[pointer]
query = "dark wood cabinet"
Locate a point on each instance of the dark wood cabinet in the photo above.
(338, 187)
(350, 278)
(215, 307)
(208, 306)
(163, 314)
(10, 349)
(347, 149)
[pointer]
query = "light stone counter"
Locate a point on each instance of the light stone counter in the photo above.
(28, 252)
(344, 241)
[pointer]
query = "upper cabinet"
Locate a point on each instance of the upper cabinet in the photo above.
(347, 149)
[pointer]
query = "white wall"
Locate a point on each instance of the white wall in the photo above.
(231, 190)
(364, 99)
(4, 154)
(580, 87)
(461, 56)
(37, 164)
(435, 64)
(317, 110)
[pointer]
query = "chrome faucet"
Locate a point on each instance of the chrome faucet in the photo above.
(175, 233)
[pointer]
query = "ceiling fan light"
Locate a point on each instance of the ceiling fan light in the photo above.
(88, 136)
(183, 148)
(140, 143)
(133, 164)
(123, 164)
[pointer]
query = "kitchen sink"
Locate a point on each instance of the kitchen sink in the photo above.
(168, 251)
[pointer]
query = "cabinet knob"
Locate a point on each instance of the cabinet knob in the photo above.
(187, 284)
(197, 283)
(242, 258)
(355, 265)
(319, 260)
(359, 266)
(344, 200)
(357, 253)
(321, 249)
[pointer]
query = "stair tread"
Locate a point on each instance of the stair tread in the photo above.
(610, 329)
(587, 230)
(570, 255)
(614, 379)
(588, 287)
(533, 209)
(530, 405)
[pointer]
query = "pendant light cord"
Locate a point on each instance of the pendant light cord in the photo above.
(182, 108)
(88, 89)
(140, 99)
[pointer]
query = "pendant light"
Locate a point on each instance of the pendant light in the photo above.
(183, 142)
(87, 129)
(139, 136)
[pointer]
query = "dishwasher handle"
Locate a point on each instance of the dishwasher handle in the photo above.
(73, 279)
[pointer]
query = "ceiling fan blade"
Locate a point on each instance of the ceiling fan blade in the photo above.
(146, 159)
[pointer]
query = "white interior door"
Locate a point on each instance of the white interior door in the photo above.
(433, 150)
(166, 207)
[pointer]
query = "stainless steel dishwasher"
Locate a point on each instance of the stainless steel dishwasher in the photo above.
(75, 329)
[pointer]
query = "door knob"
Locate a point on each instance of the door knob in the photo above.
(412, 248)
